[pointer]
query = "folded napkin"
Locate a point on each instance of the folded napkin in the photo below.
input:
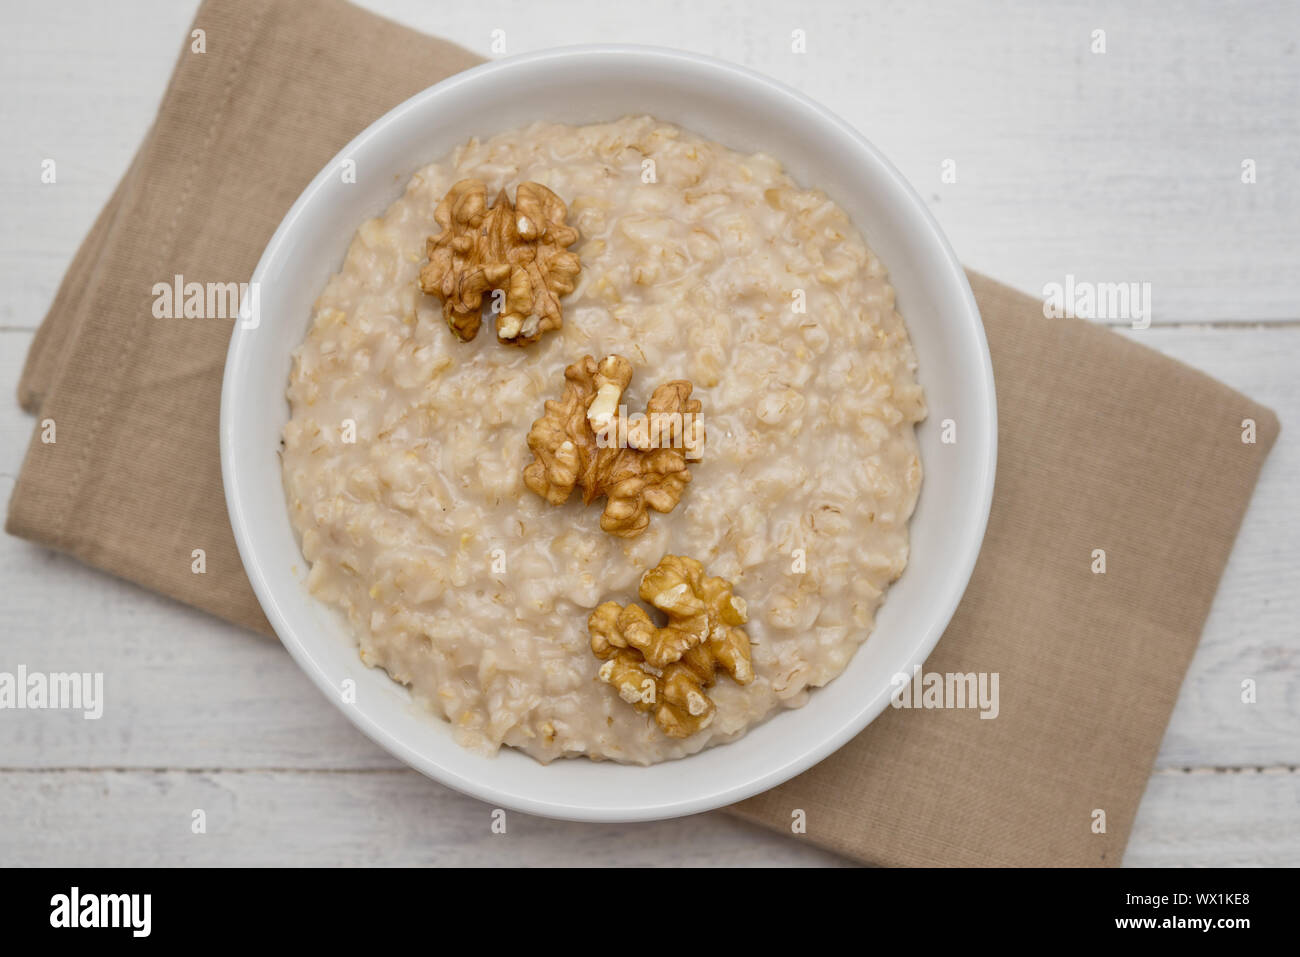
(1104, 444)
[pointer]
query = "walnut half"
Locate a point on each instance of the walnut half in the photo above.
(519, 249)
(572, 446)
(665, 670)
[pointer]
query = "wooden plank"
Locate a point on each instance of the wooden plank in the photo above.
(83, 83)
(398, 818)
(391, 818)
(1234, 819)
(1115, 167)
(186, 691)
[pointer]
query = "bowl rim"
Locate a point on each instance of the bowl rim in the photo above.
(376, 730)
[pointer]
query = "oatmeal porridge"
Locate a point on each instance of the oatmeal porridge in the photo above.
(405, 455)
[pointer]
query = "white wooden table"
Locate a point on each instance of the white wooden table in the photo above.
(1117, 166)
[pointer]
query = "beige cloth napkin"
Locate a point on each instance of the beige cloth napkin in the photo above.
(1104, 444)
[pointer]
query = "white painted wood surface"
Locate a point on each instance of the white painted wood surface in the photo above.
(1123, 166)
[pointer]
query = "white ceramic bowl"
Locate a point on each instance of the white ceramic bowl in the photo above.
(747, 112)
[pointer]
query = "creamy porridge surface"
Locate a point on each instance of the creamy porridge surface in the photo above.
(811, 460)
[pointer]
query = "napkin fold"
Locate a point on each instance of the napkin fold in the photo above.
(1104, 445)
